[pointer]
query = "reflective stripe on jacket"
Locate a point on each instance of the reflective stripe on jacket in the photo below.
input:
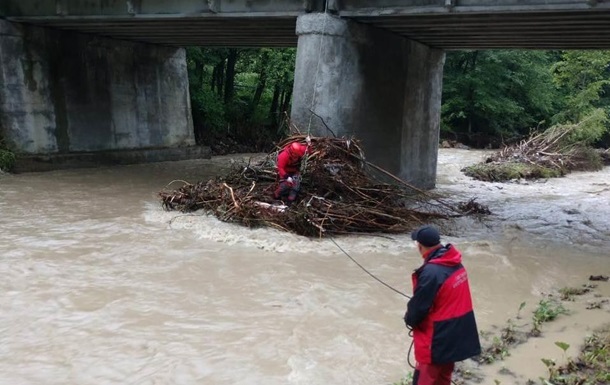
(440, 311)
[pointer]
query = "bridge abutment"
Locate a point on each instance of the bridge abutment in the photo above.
(373, 85)
(65, 92)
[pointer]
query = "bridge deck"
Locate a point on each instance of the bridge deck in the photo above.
(446, 24)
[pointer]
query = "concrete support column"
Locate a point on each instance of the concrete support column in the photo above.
(65, 92)
(374, 85)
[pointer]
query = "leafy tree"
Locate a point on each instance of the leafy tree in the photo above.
(239, 93)
(495, 94)
(489, 97)
(584, 80)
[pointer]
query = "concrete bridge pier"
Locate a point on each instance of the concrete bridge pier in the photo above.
(75, 100)
(374, 85)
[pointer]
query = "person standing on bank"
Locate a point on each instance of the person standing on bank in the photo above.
(288, 168)
(440, 313)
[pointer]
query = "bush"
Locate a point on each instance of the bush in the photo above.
(7, 160)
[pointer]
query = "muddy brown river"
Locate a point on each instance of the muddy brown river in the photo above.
(101, 286)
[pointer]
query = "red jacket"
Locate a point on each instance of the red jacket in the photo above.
(287, 163)
(440, 311)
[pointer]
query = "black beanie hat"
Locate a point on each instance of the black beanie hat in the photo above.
(426, 235)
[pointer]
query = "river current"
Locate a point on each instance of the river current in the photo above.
(101, 286)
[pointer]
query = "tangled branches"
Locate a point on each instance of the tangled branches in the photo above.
(551, 153)
(338, 195)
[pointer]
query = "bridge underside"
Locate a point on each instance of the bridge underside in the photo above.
(442, 24)
(373, 73)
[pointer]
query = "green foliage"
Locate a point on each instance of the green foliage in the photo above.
(7, 160)
(493, 97)
(209, 110)
(489, 97)
(562, 345)
(591, 367)
(240, 94)
(583, 77)
(591, 128)
(499, 94)
(7, 157)
(500, 346)
(546, 311)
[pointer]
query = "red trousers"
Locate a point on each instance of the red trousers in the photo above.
(431, 374)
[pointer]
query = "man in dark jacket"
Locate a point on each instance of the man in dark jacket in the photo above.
(440, 313)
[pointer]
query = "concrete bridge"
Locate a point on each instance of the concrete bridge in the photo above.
(87, 76)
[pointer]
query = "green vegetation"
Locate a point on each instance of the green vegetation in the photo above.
(512, 334)
(568, 293)
(553, 153)
(7, 157)
(547, 310)
(500, 345)
(240, 98)
(497, 97)
(7, 160)
(490, 97)
(591, 367)
(499, 172)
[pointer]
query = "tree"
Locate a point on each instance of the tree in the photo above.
(239, 93)
(495, 95)
(584, 80)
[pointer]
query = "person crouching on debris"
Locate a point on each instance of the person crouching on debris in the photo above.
(288, 167)
(440, 313)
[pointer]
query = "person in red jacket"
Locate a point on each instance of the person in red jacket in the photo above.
(440, 313)
(288, 167)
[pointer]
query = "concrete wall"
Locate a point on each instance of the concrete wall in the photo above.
(63, 92)
(373, 85)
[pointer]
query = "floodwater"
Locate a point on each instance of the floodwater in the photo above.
(101, 286)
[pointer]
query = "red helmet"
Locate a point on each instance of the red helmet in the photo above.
(297, 150)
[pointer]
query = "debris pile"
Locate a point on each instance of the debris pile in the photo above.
(341, 193)
(545, 155)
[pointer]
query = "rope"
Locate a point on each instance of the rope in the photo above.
(410, 348)
(368, 272)
(391, 288)
(315, 78)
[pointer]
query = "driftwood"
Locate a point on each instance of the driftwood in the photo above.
(338, 195)
(551, 153)
(549, 149)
